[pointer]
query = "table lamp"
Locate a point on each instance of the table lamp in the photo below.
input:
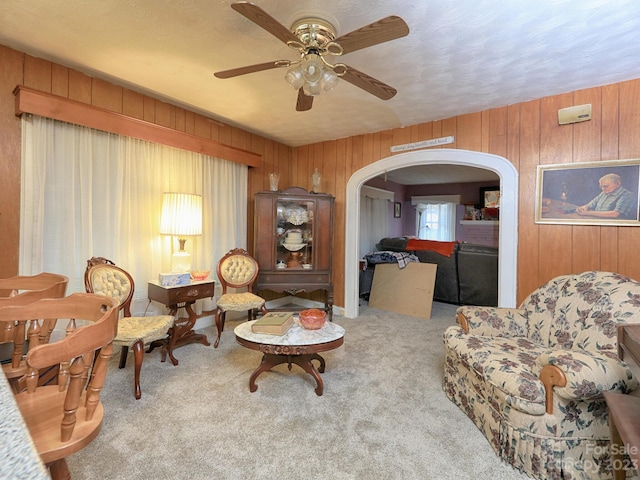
(181, 217)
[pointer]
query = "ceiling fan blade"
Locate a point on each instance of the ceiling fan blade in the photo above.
(304, 102)
(264, 20)
(234, 72)
(385, 29)
(369, 84)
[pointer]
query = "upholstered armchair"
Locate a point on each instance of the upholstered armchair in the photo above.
(531, 378)
(103, 277)
(237, 270)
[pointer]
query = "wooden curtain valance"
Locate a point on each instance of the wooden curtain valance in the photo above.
(59, 108)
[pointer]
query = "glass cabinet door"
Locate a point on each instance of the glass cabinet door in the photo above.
(295, 234)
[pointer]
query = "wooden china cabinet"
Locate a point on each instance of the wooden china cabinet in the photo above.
(294, 243)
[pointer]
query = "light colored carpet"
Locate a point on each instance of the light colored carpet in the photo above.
(383, 414)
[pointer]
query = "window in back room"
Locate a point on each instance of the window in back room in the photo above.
(436, 217)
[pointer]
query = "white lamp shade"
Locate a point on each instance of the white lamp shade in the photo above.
(181, 214)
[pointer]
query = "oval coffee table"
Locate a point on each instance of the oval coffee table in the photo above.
(298, 345)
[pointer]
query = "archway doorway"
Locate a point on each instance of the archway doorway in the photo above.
(508, 240)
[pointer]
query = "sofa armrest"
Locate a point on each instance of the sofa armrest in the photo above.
(551, 376)
(493, 321)
(586, 374)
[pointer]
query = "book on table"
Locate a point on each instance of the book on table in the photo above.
(273, 323)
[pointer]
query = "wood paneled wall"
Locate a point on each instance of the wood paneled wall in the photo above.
(527, 134)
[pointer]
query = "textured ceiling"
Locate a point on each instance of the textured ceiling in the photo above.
(440, 174)
(460, 56)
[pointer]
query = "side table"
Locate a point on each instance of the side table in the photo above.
(175, 297)
(624, 410)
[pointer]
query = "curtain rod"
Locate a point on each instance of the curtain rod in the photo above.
(52, 106)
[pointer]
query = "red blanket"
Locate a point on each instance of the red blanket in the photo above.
(443, 248)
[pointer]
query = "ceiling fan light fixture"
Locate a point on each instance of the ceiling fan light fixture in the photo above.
(314, 38)
(294, 77)
(312, 89)
(312, 68)
(329, 79)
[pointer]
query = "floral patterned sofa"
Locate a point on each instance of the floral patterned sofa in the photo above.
(531, 378)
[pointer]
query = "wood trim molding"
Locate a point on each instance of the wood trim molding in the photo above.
(48, 105)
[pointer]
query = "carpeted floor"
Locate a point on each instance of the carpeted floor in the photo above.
(383, 414)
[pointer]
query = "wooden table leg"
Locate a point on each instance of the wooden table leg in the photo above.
(617, 446)
(315, 356)
(138, 353)
(329, 303)
(304, 361)
(182, 333)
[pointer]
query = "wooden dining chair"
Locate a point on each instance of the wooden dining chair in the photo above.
(14, 337)
(65, 414)
(237, 269)
(102, 276)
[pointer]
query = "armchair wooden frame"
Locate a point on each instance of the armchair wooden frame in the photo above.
(66, 414)
(22, 290)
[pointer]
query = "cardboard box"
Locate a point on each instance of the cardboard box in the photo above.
(174, 279)
(407, 290)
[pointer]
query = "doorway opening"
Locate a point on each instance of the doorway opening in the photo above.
(508, 237)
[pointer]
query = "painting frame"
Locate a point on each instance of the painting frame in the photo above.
(566, 193)
(490, 197)
(397, 209)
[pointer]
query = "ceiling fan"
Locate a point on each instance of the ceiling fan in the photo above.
(314, 38)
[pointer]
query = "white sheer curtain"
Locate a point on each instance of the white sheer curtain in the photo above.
(436, 221)
(89, 193)
(374, 215)
(436, 216)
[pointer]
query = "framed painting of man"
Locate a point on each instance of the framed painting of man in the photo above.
(595, 193)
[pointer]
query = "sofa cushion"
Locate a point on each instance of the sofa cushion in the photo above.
(589, 373)
(393, 244)
(580, 311)
(478, 274)
(506, 366)
(493, 321)
(446, 286)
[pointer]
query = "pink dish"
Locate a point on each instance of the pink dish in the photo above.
(313, 319)
(200, 274)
